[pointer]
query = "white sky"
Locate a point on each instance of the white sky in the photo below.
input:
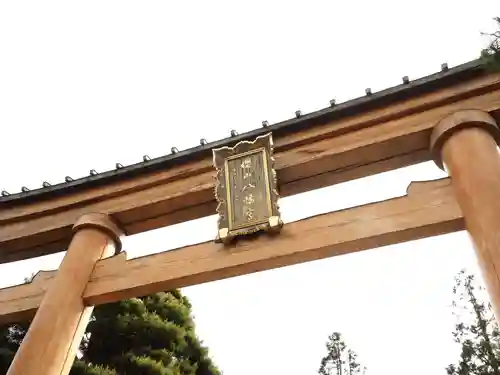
(86, 84)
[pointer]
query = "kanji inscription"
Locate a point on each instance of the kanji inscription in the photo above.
(246, 188)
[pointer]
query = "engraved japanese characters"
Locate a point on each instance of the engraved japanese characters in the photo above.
(246, 189)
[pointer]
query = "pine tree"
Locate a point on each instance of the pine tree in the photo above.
(339, 360)
(153, 335)
(491, 54)
(477, 331)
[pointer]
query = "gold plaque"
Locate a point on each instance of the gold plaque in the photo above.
(246, 189)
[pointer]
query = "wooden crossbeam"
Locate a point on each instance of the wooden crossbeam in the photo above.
(360, 145)
(428, 209)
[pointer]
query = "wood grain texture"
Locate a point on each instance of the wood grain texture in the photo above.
(52, 340)
(357, 146)
(472, 158)
(428, 209)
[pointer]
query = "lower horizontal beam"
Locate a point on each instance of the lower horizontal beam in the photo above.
(428, 209)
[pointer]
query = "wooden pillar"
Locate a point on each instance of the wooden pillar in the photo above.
(465, 144)
(52, 340)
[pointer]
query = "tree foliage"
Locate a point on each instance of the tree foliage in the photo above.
(153, 335)
(476, 331)
(339, 359)
(491, 54)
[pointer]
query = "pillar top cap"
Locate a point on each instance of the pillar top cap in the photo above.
(102, 222)
(456, 121)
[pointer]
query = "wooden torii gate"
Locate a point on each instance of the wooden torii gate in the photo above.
(449, 117)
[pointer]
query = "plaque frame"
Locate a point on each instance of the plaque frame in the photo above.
(259, 151)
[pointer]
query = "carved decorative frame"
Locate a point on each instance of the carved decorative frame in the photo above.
(255, 159)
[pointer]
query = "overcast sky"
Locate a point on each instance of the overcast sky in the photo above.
(87, 84)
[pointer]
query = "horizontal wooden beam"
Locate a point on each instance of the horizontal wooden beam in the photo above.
(354, 147)
(428, 209)
(380, 99)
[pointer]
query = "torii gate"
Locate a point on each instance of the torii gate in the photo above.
(449, 117)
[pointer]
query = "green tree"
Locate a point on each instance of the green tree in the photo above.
(153, 335)
(339, 359)
(476, 331)
(491, 54)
